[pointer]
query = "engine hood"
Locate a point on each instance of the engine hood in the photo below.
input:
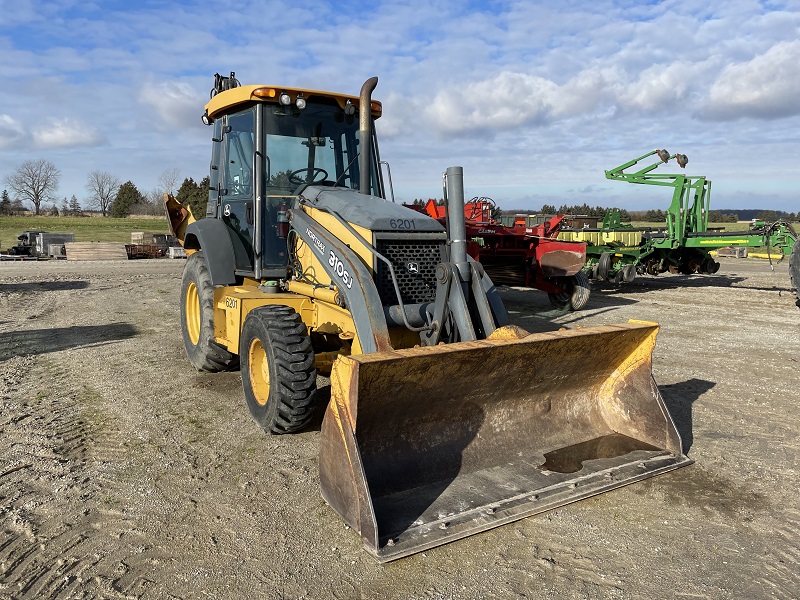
(370, 212)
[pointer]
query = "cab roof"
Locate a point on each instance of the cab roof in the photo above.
(223, 101)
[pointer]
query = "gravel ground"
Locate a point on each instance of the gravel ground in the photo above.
(126, 474)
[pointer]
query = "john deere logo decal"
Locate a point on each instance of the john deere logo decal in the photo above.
(412, 268)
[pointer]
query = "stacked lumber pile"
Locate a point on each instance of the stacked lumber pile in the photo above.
(142, 237)
(95, 251)
(736, 252)
(176, 252)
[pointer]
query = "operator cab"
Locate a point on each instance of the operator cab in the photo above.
(268, 145)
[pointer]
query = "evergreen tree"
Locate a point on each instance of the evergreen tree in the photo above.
(75, 207)
(194, 196)
(64, 210)
(769, 216)
(5, 203)
(53, 212)
(127, 197)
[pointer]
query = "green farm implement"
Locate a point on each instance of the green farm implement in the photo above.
(617, 252)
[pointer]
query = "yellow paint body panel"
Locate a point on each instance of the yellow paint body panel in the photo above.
(603, 238)
(224, 100)
(312, 268)
(233, 303)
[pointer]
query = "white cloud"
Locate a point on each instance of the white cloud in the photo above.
(661, 86)
(177, 104)
(766, 87)
(505, 101)
(11, 132)
(65, 133)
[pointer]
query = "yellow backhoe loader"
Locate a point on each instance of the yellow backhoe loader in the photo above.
(444, 420)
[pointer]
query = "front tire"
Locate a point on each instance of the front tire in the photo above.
(197, 319)
(278, 374)
(575, 295)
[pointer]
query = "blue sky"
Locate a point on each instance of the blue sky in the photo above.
(534, 99)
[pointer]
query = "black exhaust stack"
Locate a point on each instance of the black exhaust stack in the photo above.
(365, 127)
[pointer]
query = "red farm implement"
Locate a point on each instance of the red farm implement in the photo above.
(521, 255)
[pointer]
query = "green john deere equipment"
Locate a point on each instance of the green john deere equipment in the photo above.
(617, 252)
(444, 419)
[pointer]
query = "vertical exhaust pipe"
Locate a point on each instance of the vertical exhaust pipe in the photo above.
(365, 128)
(455, 219)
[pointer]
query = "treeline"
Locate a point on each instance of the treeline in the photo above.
(36, 183)
(582, 210)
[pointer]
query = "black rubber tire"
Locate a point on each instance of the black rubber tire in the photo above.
(198, 339)
(575, 295)
(628, 272)
(278, 374)
(794, 269)
(604, 266)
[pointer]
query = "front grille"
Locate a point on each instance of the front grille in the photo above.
(405, 256)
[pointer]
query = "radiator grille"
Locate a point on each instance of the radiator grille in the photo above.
(408, 256)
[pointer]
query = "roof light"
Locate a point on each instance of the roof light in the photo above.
(265, 92)
(206, 119)
(285, 98)
(349, 107)
(300, 102)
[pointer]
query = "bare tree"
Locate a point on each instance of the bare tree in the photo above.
(155, 202)
(102, 188)
(34, 181)
(168, 180)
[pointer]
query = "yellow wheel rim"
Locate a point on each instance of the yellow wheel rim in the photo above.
(259, 372)
(192, 311)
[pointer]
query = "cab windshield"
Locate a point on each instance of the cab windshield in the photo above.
(318, 145)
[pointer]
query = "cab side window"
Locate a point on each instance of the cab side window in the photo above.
(236, 201)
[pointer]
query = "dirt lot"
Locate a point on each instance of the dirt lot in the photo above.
(125, 474)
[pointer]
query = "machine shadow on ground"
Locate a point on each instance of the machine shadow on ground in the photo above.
(679, 398)
(32, 287)
(44, 341)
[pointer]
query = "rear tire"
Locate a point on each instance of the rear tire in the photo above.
(197, 319)
(604, 266)
(575, 294)
(278, 374)
(628, 273)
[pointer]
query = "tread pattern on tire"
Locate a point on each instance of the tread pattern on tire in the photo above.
(576, 296)
(580, 291)
(604, 266)
(206, 355)
(293, 381)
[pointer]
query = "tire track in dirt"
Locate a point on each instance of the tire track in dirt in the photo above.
(780, 575)
(60, 524)
(52, 544)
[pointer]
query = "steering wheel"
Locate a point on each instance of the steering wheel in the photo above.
(311, 175)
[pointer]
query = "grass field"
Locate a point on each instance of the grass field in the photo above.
(86, 229)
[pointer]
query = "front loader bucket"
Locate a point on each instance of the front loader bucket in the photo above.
(424, 446)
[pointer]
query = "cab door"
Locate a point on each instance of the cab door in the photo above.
(236, 185)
